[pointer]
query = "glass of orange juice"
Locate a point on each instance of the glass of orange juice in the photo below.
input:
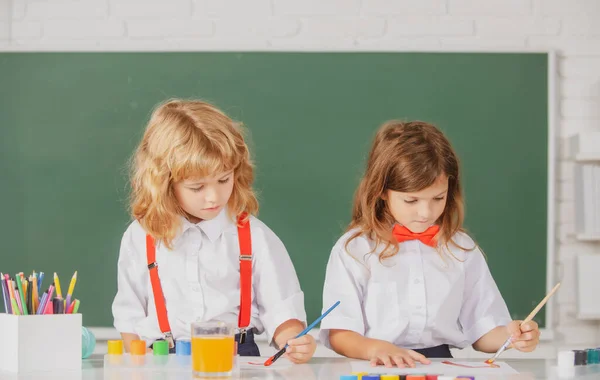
(213, 349)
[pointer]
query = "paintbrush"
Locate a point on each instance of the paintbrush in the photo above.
(273, 358)
(529, 318)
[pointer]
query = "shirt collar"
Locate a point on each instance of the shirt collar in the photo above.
(213, 228)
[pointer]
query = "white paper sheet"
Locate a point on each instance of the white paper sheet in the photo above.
(436, 367)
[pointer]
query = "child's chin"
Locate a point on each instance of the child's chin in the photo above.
(419, 228)
(208, 214)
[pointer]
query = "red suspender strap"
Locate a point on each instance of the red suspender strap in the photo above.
(245, 241)
(159, 298)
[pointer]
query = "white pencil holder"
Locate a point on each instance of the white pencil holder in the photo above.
(36, 343)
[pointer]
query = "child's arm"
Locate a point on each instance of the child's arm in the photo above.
(279, 299)
(131, 300)
(492, 341)
(353, 345)
(484, 317)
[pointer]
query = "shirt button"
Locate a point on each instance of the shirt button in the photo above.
(417, 280)
(196, 288)
(419, 307)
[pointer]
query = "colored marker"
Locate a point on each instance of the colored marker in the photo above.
(50, 291)
(49, 306)
(36, 296)
(42, 304)
(21, 296)
(18, 298)
(5, 297)
(29, 298)
(58, 306)
(11, 294)
(71, 307)
(76, 306)
(25, 285)
(15, 306)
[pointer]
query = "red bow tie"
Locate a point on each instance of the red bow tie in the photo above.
(402, 233)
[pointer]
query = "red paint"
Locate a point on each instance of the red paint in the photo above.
(470, 366)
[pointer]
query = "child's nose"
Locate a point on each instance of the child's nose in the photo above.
(424, 211)
(210, 194)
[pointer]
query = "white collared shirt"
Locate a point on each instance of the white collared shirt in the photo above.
(415, 299)
(200, 280)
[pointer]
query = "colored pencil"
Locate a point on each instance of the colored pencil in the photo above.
(71, 288)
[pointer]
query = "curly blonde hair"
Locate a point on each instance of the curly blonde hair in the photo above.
(186, 139)
(405, 157)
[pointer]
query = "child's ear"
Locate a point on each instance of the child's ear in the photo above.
(384, 195)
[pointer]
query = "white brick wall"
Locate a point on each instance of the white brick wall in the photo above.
(5, 18)
(496, 8)
(571, 27)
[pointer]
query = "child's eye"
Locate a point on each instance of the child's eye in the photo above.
(411, 202)
(224, 181)
(196, 189)
(439, 199)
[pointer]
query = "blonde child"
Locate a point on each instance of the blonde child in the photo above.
(194, 251)
(411, 282)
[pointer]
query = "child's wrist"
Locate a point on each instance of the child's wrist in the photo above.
(372, 346)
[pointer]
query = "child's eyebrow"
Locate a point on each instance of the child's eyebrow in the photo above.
(202, 182)
(439, 195)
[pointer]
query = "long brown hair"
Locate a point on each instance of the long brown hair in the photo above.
(405, 157)
(186, 139)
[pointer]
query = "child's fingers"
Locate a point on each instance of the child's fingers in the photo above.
(386, 360)
(529, 326)
(305, 339)
(374, 362)
(526, 346)
(291, 358)
(525, 337)
(301, 348)
(514, 329)
(530, 335)
(299, 357)
(398, 361)
(419, 357)
(527, 342)
(408, 360)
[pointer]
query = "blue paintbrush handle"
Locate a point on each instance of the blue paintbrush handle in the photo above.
(310, 327)
(304, 332)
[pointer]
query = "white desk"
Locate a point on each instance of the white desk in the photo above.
(318, 369)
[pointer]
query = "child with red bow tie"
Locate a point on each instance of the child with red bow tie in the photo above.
(411, 282)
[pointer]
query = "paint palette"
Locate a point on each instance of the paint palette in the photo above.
(415, 376)
(578, 364)
(437, 370)
(148, 361)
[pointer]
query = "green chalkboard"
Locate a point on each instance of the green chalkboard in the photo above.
(70, 121)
